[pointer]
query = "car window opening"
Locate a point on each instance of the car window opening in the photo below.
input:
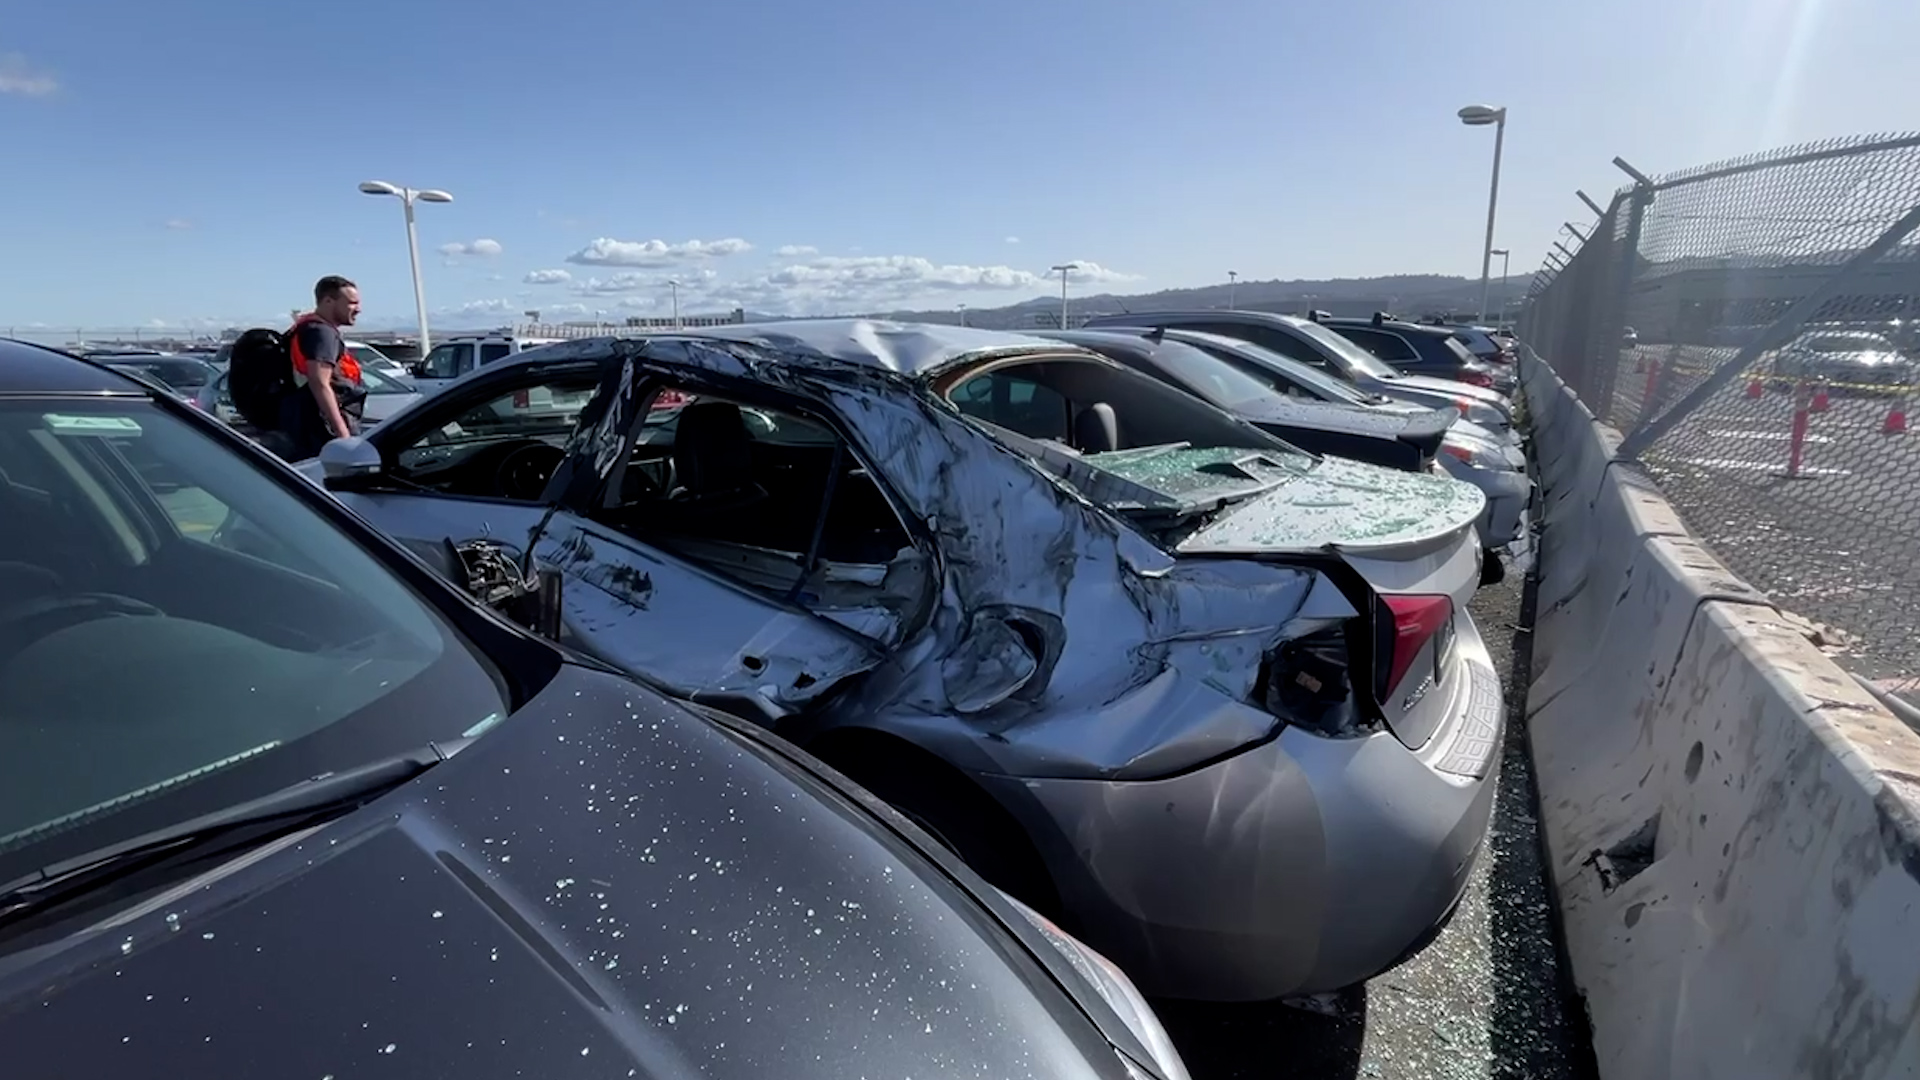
(770, 497)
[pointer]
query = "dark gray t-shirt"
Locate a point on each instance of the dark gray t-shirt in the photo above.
(317, 342)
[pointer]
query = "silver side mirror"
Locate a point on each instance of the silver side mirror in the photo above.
(343, 462)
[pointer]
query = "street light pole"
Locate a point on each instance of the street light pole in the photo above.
(1480, 116)
(675, 286)
(1503, 253)
(407, 197)
(1233, 279)
(1063, 270)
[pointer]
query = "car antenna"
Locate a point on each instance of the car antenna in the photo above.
(1157, 334)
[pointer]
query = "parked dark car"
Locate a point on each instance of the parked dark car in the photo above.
(1395, 440)
(1416, 349)
(276, 800)
(1310, 343)
(184, 375)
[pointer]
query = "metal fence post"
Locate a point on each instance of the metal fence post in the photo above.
(1614, 326)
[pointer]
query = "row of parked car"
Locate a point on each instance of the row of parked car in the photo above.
(797, 697)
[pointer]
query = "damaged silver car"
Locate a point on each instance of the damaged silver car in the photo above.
(1214, 702)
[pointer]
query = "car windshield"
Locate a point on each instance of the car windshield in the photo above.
(1355, 357)
(368, 355)
(248, 642)
(1209, 376)
(1846, 343)
(378, 383)
(1458, 347)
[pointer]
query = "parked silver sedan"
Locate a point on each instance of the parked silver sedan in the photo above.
(1846, 359)
(1215, 703)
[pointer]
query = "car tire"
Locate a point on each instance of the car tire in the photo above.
(953, 811)
(1493, 570)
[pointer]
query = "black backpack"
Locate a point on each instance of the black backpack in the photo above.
(259, 375)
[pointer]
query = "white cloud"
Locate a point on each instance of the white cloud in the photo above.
(179, 224)
(19, 77)
(639, 303)
(482, 307)
(833, 284)
(482, 247)
(1087, 271)
(629, 281)
(609, 252)
(560, 312)
(1013, 239)
(795, 251)
(547, 277)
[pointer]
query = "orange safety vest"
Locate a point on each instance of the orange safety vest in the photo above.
(348, 367)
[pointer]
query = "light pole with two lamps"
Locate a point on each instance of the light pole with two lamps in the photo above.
(1481, 116)
(407, 197)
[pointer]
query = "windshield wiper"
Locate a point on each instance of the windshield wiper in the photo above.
(243, 824)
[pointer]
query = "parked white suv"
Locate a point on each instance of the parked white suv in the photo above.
(461, 353)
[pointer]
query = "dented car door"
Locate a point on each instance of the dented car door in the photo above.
(699, 553)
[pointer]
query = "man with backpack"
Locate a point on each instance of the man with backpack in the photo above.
(303, 387)
(329, 392)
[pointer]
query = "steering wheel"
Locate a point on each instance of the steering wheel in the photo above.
(27, 621)
(524, 473)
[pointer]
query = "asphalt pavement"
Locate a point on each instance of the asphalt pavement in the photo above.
(1486, 999)
(1833, 544)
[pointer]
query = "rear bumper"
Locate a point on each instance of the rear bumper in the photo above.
(1300, 865)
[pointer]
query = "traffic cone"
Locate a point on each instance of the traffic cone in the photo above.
(1754, 389)
(1896, 420)
(1820, 402)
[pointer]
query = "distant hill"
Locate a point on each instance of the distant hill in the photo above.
(1410, 295)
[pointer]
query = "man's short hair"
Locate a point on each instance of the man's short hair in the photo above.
(331, 285)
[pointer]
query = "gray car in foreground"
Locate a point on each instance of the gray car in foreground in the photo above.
(1216, 703)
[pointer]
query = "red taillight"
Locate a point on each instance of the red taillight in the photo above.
(522, 398)
(1460, 452)
(1416, 619)
(1476, 378)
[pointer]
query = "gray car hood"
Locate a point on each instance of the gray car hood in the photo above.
(603, 886)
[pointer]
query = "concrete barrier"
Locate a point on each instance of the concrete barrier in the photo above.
(1732, 823)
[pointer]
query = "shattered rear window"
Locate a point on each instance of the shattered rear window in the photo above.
(1189, 473)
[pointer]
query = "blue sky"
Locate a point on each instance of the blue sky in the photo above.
(197, 161)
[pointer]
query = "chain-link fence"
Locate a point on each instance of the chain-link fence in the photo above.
(1754, 326)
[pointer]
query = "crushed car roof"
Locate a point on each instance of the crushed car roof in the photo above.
(905, 348)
